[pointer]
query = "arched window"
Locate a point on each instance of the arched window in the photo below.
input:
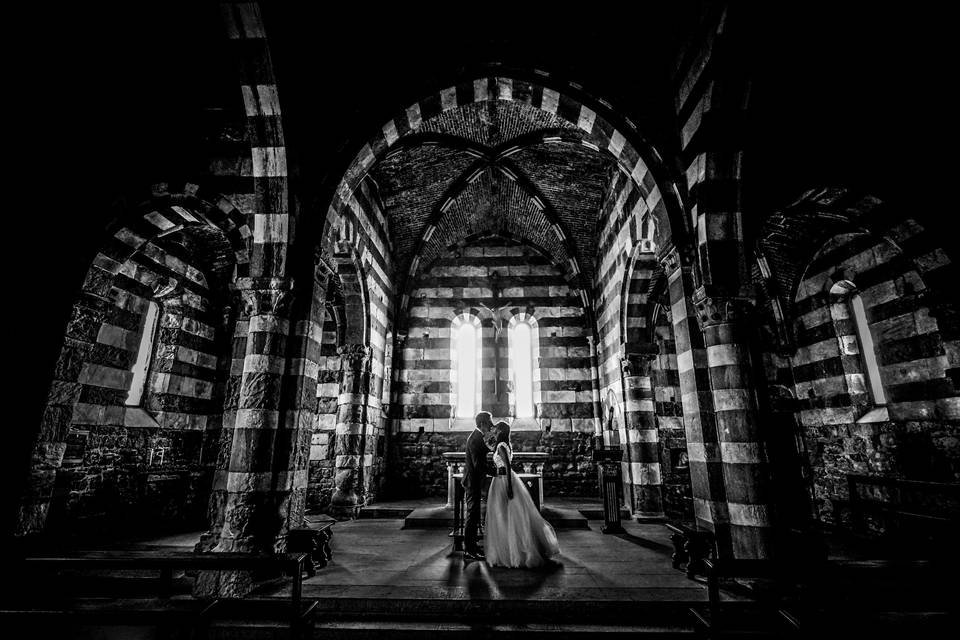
(524, 350)
(465, 359)
(144, 354)
(647, 229)
(868, 355)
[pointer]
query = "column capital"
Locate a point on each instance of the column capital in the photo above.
(324, 264)
(354, 356)
(713, 309)
(671, 257)
(635, 359)
(261, 296)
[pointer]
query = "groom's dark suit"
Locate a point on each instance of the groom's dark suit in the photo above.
(474, 470)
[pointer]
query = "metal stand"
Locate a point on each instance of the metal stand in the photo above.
(611, 481)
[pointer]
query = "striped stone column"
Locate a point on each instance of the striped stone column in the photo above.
(725, 324)
(350, 444)
(254, 495)
(237, 322)
(700, 426)
(642, 446)
(256, 499)
(299, 391)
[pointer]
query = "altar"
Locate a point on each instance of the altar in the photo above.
(527, 465)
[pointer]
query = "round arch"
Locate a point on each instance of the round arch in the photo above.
(602, 131)
(643, 277)
(469, 319)
(525, 376)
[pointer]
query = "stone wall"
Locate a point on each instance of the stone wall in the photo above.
(563, 390)
(422, 472)
(916, 435)
(677, 497)
(108, 465)
(114, 481)
(322, 443)
(635, 316)
(362, 241)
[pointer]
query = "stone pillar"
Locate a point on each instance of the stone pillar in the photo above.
(257, 494)
(350, 444)
(595, 392)
(299, 391)
(700, 426)
(725, 322)
(236, 322)
(642, 465)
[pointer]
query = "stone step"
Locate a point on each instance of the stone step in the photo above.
(354, 618)
(375, 512)
(441, 517)
(454, 629)
(393, 629)
(655, 611)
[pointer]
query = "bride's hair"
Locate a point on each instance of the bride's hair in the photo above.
(503, 432)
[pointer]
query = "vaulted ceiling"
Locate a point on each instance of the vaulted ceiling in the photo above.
(489, 167)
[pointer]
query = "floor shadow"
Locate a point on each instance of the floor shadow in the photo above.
(521, 584)
(481, 581)
(471, 575)
(645, 543)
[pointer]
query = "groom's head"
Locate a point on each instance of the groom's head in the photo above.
(485, 421)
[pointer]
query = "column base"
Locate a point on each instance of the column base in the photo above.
(650, 517)
(207, 542)
(613, 527)
(344, 511)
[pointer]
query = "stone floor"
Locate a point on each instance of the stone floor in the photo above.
(375, 557)
(379, 559)
(388, 580)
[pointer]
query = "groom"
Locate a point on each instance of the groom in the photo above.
(474, 470)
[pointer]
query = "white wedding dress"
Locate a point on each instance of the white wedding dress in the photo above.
(516, 535)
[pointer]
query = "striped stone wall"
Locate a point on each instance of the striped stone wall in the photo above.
(914, 436)
(363, 250)
(460, 282)
(111, 454)
(711, 287)
(322, 446)
(628, 274)
(668, 407)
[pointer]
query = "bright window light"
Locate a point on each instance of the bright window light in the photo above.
(522, 349)
(145, 351)
(467, 366)
(867, 352)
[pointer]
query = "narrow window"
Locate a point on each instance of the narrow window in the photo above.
(524, 348)
(144, 353)
(847, 292)
(467, 365)
(867, 351)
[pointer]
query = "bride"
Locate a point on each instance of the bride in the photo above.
(516, 534)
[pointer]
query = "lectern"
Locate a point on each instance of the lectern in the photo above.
(610, 475)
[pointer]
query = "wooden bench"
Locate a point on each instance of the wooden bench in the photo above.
(691, 547)
(916, 517)
(766, 616)
(856, 596)
(878, 596)
(164, 607)
(313, 539)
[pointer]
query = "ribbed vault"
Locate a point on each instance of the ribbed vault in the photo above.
(494, 167)
(492, 123)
